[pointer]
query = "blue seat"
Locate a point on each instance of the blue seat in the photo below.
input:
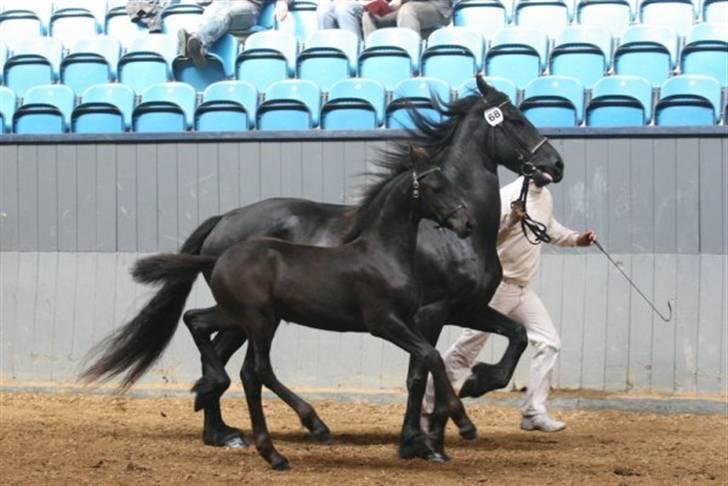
(291, 104)
(90, 61)
(676, 14)
(613, 15)
(302, 20)
(554, 101)
(423, 94)
(267, 57)
(3, 57)
(354, 104)
(8, 101)
(486, 16)
(649, 51)
(582, 52)
(180, 16)
(165, 107)
(706, 51)
(104, 108)
(620, 101)
(330, 56)
(390, 55)
(715, 11)
(117, 24)
(45, 109)
(220, 64)
(34, 62)
(22, 19)
(453, 54)
(98, 8)
(147, 61)
(690, 99)
(227, 106)
(518, 54)
(71, 23)
(503, 85)
(551, 16)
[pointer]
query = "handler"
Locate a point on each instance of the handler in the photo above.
(520, 260)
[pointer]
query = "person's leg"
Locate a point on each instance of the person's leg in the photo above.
(419, 16)
(325, 14)
(370, 22)
(220, 16)
(349, 16)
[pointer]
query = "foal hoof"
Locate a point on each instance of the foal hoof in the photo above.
(236, 443)
(281, 465)
(469, 433)
(437, 457)
(227, 437)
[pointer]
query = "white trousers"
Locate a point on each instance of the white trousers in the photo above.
(522, 305)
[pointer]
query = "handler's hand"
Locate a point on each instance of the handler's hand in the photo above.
(281, 10)
(517, 212)
(586, 238)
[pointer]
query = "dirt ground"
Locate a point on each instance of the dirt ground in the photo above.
(108, 440)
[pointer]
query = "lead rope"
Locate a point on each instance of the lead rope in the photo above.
(529, 224)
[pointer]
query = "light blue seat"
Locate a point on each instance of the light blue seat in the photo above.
(518, 54)
(165, 107)
(354, 104)
(291, 104)
(8, 101)
(227, 106)
(715, 11)
(423, 94)
(330, 56)
(613, 15)
(34, 62)
(180, 16)
(45, 110)
(104, 108)
(301, 21)
(148, 61)
(551, 16)
(583, 52)
(90, 61)
(706, 51)
(266, 20)
(649, 51)
(554, 101)
(390, 55)
(690, 99)
(98, 8)
(3, 57)
(267, 57)
(71, 23)
(620, 101)
(22, 19)
(503, 85)
(676, 14)
(453, 54)
(118, 25)
(220, 64)
(486, 16)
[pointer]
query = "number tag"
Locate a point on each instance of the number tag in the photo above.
(493, 116)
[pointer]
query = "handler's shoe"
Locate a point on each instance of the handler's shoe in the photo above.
(542, 422)
(196, 51)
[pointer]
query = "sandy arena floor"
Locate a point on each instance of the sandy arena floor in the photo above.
(71, 439)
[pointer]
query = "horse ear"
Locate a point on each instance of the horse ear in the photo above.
(420, 158)
(482, 85)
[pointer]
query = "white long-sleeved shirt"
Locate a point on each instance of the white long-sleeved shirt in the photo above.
(519, 258)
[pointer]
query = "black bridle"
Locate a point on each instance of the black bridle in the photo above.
(416, 178)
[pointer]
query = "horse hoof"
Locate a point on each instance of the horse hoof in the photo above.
(281, 465)
(225, 437)
(469, 434)
(322, 435)
(236, 443)
(437, 457)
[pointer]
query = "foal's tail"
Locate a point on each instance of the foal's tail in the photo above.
(136, 346)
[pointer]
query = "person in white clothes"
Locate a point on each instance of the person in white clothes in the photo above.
(513, 298)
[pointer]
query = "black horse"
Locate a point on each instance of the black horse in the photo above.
(459, 277)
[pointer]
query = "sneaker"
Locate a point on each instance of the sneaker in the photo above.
(196, 51)
(542, 422)
(182, 38)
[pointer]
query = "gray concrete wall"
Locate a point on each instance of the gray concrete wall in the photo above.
(74, 216)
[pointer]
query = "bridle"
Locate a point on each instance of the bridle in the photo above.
(416, 178)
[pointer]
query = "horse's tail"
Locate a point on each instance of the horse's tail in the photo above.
(136, 346)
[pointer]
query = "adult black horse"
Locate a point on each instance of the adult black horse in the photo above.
(460, 276)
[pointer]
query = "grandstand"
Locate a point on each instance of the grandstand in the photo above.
(82, 66)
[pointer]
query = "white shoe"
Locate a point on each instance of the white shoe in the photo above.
(542, 422)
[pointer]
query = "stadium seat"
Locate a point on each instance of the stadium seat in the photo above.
(417, 93)
(22, 19)
(676, 14)
(267, 57)
(98, 8)
(90, 61)
(486, 16)
(301, 21)
(453, 54)
(3, 57)
(8, 100)
(34, 62)
(147, 61)
(551, 16)
(503, 85)
(354, 104)
(613, 15)
(649, 51)
(583, 52)
(104, 108)
(706, 51)
(69, 24)
(220, 65)
(715, 11)
(119, 25)
(554, 101)
(45, 110)
(518, 54)
(391, 54)
(227, 106)
(291, 104)
(690, 99)
(330, 56)
(620, 101)
(165, 107)
(180, 16)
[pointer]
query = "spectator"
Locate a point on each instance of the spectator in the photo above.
(219, 18)
(148, 12)
(418, 15)
(342, 14)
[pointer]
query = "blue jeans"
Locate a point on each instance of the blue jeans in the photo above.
(222, 16)
(345, 15)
